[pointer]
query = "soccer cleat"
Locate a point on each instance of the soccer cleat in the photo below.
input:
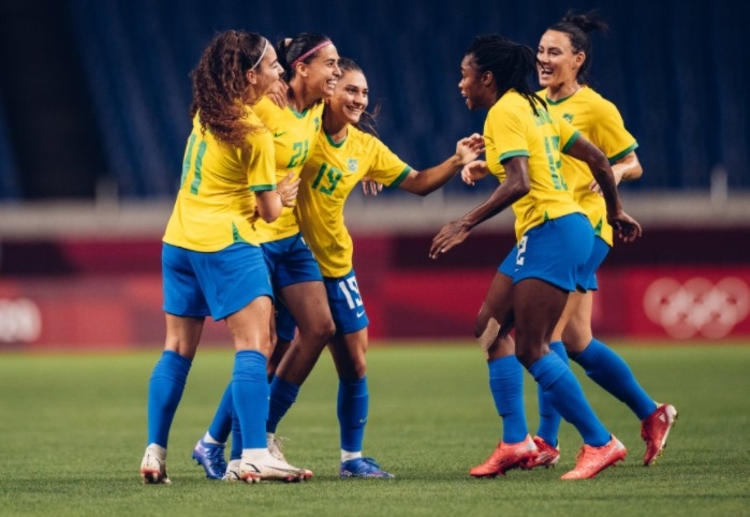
(154, 469)
(233, 471)
(362, 468)
(274, 446)
(592, 460)
(211, 457)
(271, 470)
(655, 430)
(277, 451)
(548, 455)
(505, 457)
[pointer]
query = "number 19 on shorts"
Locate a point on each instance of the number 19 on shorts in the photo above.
(350, 290)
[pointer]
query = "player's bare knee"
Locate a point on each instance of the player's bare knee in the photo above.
(322, 332)
(487, 336)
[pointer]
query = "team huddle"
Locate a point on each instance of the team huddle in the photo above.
(257, 238)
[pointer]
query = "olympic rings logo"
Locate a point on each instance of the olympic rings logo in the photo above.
(697, 306)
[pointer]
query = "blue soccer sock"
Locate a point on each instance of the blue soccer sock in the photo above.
(250, 394)
(506, 385)
(221, 425)
(283, 396)
(565, 393)
(352, 409)
(164, 393)
(236, 451)
(549, 418)
(612, 373)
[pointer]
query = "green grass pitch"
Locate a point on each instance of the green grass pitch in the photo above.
(73, 430)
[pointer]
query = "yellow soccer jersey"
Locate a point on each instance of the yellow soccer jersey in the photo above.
(512, 129)
(599, 122)
(295, 136)
(215, 205)
(327, 179)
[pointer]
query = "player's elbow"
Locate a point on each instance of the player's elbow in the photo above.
(268, 206)
(521, 185)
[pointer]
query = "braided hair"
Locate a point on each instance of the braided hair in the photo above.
(220, 82)
(511, 65)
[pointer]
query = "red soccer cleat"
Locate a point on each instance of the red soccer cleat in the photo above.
(505, 457)
(548, 455)
(592, 460)
(655, 430)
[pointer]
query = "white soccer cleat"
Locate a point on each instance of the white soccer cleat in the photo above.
(274, 446)
(233, 471)
(277, 451)
(271, 469)
(154, 468)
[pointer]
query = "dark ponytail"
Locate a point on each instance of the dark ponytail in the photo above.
(301, 48)
(578, 27)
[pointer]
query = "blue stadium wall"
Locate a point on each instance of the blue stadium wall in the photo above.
(671, 67)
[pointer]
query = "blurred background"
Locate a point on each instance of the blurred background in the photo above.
(93, 121)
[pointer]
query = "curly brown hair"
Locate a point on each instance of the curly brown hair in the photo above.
(220, 82)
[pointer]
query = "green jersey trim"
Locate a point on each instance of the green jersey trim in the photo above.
(404, 174)
(569, 143)
(512, 154)
(262, 188)
(334, 144)
(619, 155)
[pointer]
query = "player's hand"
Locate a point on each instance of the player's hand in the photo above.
(625, 226)
(594, 187)
(474, 171)
(450, 236)
(370, 187)
(278, 93)
(470, 148)
(617, 173)
(287, 189)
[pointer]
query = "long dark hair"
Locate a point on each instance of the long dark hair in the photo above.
(577, 27)
(303, 45)
(219, 81)
(367, 120)
(511, 64)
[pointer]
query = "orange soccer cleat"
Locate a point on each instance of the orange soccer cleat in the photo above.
(505, 457)
(655, 430)
(548, 455)
(592, 460)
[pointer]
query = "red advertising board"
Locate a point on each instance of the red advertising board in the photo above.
(676, 302)
(103, 295)
(104, 312)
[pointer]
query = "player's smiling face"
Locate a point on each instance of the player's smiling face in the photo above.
(557, 64)
(323, 71)
(350, 98)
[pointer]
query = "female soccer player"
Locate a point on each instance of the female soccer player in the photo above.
(554, 241)
(344, 155)
(211, 258)
(564, 57)
(311, 62)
